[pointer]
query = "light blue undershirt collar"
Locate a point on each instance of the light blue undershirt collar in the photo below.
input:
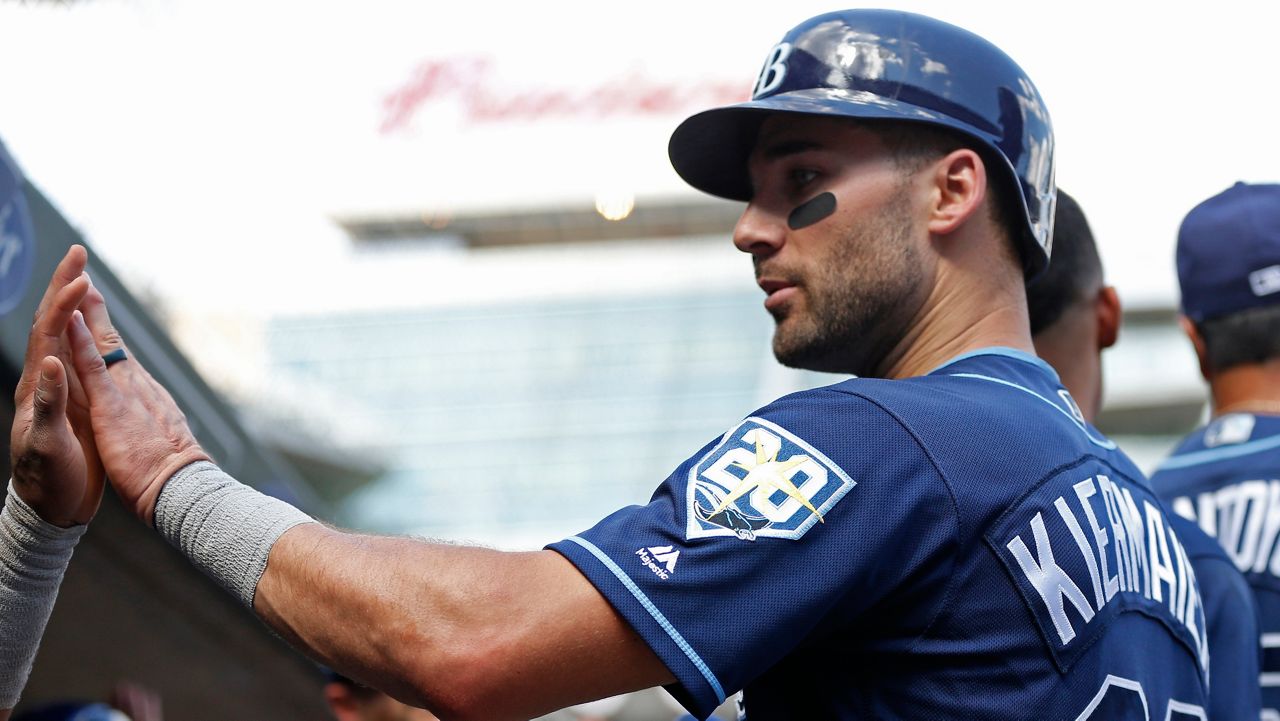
(1013, 353)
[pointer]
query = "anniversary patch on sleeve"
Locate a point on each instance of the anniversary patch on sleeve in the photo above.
(762, 481)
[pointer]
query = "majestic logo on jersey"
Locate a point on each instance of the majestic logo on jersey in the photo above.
(659, 559)
(762, 481)
(1082, 548)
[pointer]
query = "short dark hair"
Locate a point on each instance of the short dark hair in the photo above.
(914, 144)
(1075, 270)
(1240, 338)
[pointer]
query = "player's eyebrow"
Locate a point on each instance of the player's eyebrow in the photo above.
(783, 148)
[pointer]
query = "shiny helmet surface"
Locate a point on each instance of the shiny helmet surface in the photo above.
(889, 65)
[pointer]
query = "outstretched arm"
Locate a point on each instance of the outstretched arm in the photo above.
(469, 633)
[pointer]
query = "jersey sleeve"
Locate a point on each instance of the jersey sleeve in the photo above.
(803, 517)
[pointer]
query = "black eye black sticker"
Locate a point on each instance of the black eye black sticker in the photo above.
(812, 211)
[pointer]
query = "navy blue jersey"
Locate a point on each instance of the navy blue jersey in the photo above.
(960, 545)
(1231, 618)
(1226, 476)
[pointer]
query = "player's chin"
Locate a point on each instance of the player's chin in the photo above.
(795, 346)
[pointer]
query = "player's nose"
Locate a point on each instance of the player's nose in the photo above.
(759, 231)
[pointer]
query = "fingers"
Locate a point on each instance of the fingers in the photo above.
(46, 332)
(69, 268)
(90, 367)
(94, 307)
(50, 407)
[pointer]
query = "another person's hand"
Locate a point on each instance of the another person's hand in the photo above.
(142, 436)
(139, 702)
(52, 452)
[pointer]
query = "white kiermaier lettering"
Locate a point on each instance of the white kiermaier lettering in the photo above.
(1117, 531)
(1184, 583)
(1145, 547)
(1160, 571)
(775, 69)
(1086, 551)
(1133, 526)
(1111, 584)
(1049, 580)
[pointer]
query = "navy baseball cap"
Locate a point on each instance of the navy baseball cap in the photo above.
(1229, 252)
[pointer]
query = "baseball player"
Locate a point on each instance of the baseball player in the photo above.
(1075, 315)
(942, 538)
(1224, 475)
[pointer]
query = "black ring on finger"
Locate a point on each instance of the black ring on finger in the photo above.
(114, 356)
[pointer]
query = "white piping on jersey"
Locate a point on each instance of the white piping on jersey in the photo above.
(1100, 442)
(657, 615)
(1003, 352)
(1217, 454)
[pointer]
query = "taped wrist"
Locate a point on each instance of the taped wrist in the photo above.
(33, 557)
(224, 527)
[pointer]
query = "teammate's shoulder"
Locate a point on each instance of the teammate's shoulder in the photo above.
(1229, 438)
(1195, 541)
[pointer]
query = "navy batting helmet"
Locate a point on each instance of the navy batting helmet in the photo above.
(889, 65)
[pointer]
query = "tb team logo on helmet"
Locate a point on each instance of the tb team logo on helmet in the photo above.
(762, 481)
(774, 72)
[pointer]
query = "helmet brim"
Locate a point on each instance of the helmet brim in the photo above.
(709, 150)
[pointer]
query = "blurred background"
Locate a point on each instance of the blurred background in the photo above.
(426, 269)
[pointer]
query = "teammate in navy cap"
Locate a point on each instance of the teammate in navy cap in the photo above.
(1075, 316)
(1226, 475)
(944, 538)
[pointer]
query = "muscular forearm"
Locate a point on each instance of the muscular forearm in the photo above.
(467, 632)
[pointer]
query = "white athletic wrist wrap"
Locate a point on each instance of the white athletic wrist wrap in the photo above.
(224, 527)
(33, 556)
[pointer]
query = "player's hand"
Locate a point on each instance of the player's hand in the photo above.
(55, 463)
(142, 437)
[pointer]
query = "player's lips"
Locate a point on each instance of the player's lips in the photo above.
(778, 291)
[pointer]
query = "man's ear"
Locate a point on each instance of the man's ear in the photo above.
(1197, 342)
(1107, 309)
(959, 185)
